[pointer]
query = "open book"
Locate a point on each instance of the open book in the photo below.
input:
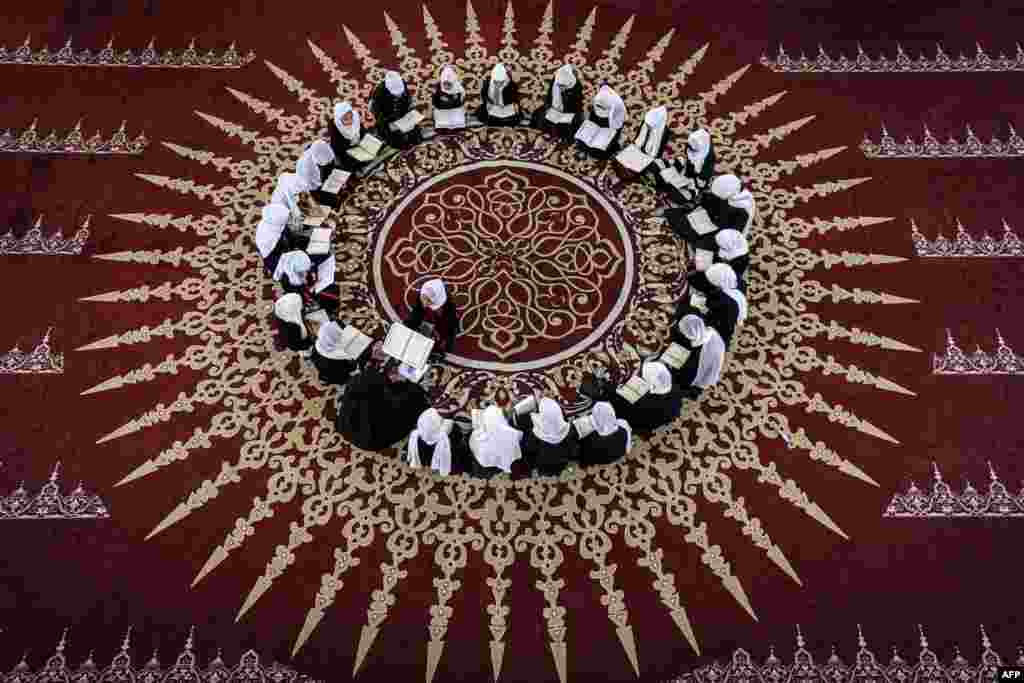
(407, 122)
(633, 159)
(314, 215)
(555, 116)
(319, 241)
(407, 346)
(412, 374)
(634, 390)
(584, 426)
(318, 316)
(700, 221)
(336, 180)
(367, 149)
(526, 406)
(675, 356)
(450, 118)
(502, 112)
(595, 136)
(353, 342)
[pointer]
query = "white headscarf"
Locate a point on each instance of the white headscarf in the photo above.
(654, 123)
(700, 141)
(495, 443)
(729, 188)
(722, 275)
(328, 341)
(436, 292)
(394, 83)
(606, 423)
(610, 100)
(289, 309)
(548, 423)
(268, 232)
(295, 265)
(430, 428)
(308, 167)
(731, 244)
(565, 78)
(657, 375)
(350, 132)
(286, 192)
(448, 75)
(499, 79)
(711, 348)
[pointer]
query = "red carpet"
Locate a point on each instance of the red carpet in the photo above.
(712, 535)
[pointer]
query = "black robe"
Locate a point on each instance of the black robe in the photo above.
(462, 457)
(613, 146)
(572, 103)
(325, 198)
(603, 450)
(387, 109)
(722, 214)
(549, 459)
(651, 411)
(291, 336)
(702, 178)
(376, 413)
(509, 94)
(333, 370)
(443, 100)
(340, 146)
(445, 329)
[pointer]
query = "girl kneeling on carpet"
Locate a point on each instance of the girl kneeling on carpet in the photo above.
(611, 439)
(294, 272)
(494, 444)
(288, 311)
(551, 444)
(435, 444)
(662, 403)
(330, 360)
(434, 315)
(703, 367)
(726, 303)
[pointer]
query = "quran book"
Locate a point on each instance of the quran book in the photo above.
(675, 356)
(633, 159)
(353, 342)
(587, 132)
(407, 346)
(367, 149)
(698, 301)
(450, 118)
(319, 316)
(584, 426)
(319, 241)
(634, 390)
(502, 112)
(526, 406)
(412, 374)
(700, 221)
(407, 122)
(555, 116)
(337, 180)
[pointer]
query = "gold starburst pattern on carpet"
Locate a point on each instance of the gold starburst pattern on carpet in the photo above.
(678, 477)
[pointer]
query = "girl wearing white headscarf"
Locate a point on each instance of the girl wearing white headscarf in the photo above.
(689, 175)
(562, 111)
(499, 99)
(703, 368)
(271, 240)
(495, 444)
(286, 193)
(391, 101)
(345, 127)
(430, 443)
(293, 271)
(314, 166)
(608, 114)
(551, 444)
(330, 360)
(611, 439)
(435, 307)
(659, 406)
(650, 140)
(727, 305)
(449, 101)
(288, 311)
(740, 202)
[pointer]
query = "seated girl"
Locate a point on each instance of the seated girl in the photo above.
(562, 111)
(659, 406)
(499, 99)
(294, 272)
(733, 250)
(599, 134)
(703, 367)
(611, 439)
(552, 443)
(726, 304)
(272, 236)
(436, 445)
(346, 131)
(390, 103)
(334, 365)
(495, 444)
(449, 101)
(649, 143)
(288, 311)
(435, 312)
(313, 168)
(686, 178)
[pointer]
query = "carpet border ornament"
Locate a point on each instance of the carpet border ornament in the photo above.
(955, 362)
(189, 58)
(965, 246)
(50, 503)
(930, 148)
(943, 502)
(34, 243)
(902, 63)
(40, 360)
(29, 141)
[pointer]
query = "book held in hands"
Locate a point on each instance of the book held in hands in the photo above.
(526, 406)
(633, 159)
(594, 135)
(700, 221)
(503, 111)
(555, 116)
(407, 346)
(584, 426)
(407, 122)
(367, 149)
(353, 342)
(634, 390)
(450, 118)
(675, 356)
(319, 241)
(337, 180)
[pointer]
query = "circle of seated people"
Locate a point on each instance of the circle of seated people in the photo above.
(383, 400)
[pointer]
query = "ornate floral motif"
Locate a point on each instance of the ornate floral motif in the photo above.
(955, 362)
(942, 63)
(186, 668)
(942, 502)
(50, 503)
(965, 246)
(678, 476)
(930, 147)
(189, 58)
(866, 666)
(33, 242)
(30, 141)
(38, 361)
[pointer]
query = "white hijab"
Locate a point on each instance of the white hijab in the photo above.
(308, 167)
(649, 138)
(430, 428)
(548, 423)
(435, 291)
(350, 132)
(328, 341)
(729, 188)
(289, 309)
(499, 79)
(394, 83)
(731, 244)
(700, 141)
(286, 192)
(722, 275)
(657, 375)
(496, 443)
(606, 423)
(295, 265)
(270, 228)
(448, 75)
(709, 344)
(610, 101)
(565, 78)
